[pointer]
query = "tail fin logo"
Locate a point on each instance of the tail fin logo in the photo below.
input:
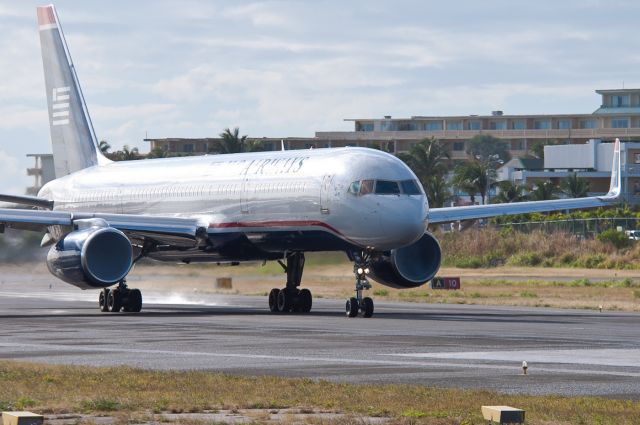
(60, 106)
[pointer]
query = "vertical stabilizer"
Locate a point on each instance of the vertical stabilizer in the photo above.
(74, 142)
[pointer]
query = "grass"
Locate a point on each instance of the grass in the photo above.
(489, 247)
(70, 389)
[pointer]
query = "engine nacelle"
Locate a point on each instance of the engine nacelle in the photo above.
(94, 256)
(410, 266)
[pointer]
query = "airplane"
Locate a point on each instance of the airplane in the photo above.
(100, 217)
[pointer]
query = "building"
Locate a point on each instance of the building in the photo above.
(185, 146)
(617, 116)
(43, 171)
(591, 160)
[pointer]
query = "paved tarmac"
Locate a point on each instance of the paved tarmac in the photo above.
(569, 352)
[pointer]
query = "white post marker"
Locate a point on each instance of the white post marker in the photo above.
(525, 366)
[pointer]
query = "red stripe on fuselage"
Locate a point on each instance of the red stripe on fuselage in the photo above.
(284, 223)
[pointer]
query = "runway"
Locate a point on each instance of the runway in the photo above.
(568, 352)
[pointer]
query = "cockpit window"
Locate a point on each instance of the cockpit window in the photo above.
(410, 187)
(354, 188)
(387, 187)
(366, 186)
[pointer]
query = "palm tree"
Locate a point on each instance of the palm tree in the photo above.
(543, 191)
(509, 192)
(574, 186)
(427, 158)
(104, 147)
(438, 191)
(128, 154)
(232, 142)
(473, 178)
(158, 152)
(483, 146)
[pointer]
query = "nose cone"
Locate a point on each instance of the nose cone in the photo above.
(403, 221)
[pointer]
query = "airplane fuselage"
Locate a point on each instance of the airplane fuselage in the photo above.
(278, 201)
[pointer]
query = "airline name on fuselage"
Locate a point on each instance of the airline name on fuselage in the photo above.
(262, 166)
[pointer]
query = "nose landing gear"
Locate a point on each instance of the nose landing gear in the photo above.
(359, 305)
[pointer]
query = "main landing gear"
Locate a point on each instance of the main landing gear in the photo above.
(290, 298)
(120, 298)
(359, 305)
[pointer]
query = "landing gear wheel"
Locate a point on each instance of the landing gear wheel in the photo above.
(367, 307)
(284, 301)
(102, 300)
(134, 301)
(273, 300)
(114, 301)
(305, 301)
(352, 307)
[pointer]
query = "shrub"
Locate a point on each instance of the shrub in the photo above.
(615, 238)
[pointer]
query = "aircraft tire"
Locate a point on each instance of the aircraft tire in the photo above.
(102, 300)
(114, 301)
(352, 307)
(305, 300)
(134, 301)
(284, 301)
(273, 300)
(367, 307)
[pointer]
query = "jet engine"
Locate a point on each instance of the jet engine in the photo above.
(410, 266)
(94, 256)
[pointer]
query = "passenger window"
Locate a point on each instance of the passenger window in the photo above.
(387, 187)
(366, 187)
(410, 187)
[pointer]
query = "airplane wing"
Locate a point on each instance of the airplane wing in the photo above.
(160, 229)
(449, 214)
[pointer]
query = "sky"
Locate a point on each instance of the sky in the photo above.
(290, 68)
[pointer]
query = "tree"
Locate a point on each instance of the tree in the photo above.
(483, 146)
(509, 192)
(473, 178)
(427, 160)
(543, 191)
(537, 148)
(438, 191)
(104, 146)
(127, 154)
(231, 141)
(158, 152)
(574, 186)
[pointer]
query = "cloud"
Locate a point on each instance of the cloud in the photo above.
(13, 178)
(258, 14)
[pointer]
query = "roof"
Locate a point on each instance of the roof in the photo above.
(462, 117)
(617, 110)
(615, 91)
(529, 164)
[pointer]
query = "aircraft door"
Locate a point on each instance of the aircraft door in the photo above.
(244, 196)
(325, 194)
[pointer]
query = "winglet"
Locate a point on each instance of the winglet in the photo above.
(615, 188)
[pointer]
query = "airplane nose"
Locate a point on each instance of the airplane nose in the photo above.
(406, 224)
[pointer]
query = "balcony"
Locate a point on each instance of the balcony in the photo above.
(34, 171)
(574, 133)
